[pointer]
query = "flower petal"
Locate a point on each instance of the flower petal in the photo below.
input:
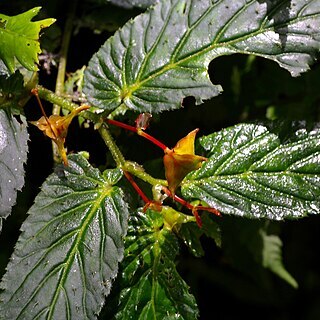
(186, 144)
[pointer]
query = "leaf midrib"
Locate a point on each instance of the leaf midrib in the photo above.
(242, 175)
(135, 86)
(74, 248)
(248, 177)
(156, 248)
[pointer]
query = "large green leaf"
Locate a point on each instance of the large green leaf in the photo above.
(19, 39)
(70, 246)
(150, 285)
(162, 56)
(249, 173)
(13, 155)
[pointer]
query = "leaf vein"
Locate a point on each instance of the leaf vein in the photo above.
(74, 248)
(154, 45)
(210, 47)
(81, 260)
(235, 152)
(191, 28)
(229, 22)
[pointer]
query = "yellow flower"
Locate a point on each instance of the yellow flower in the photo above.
(56, 128)
(181, 160)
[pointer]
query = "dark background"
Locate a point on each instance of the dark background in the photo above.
(255, 90)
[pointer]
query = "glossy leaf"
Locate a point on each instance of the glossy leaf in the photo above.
(13, 155)
(162, 56)
(150, 285)
(68, 253)
(249, 173)
(19, 39)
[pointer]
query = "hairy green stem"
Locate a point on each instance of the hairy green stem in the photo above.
(138, 171)
(50, 96)
(115, 151)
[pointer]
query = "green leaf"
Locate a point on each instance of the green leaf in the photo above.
(249, 173)
(19, 39)
(70, 246)
(150, 285)
(13, 155)
(162, 56)
(272, 257)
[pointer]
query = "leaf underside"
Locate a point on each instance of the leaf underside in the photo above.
(249, 173)
(162, 56)
(13, 155)
(151, 287)
(19, 39)
(70, 246)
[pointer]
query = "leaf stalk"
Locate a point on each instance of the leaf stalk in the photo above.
(114, 149)
(52, 97)
(140, 132)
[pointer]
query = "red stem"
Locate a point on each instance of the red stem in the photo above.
(178, 199)
(140, 132)
(149, 203)
(194, 209)
(35, 93)
(122, 125)
(152, 139)
(136, 187)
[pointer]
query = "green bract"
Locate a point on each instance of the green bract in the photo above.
(19, 39)
(70, 246)
(162, 56)
(249, 173)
